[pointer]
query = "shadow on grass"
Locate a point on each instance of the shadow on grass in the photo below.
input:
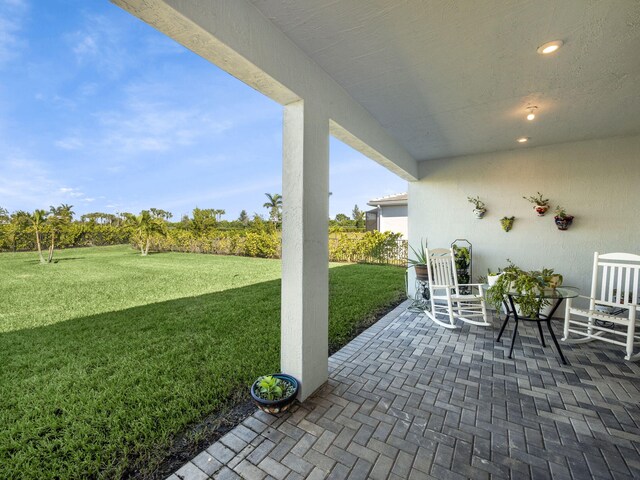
(105, 395)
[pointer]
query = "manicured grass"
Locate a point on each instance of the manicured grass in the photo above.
(106, 356)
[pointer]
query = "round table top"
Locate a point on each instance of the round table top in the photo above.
(553, 293)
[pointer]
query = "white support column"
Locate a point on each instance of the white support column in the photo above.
(305, 250)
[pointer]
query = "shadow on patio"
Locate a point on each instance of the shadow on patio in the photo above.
(407, 399)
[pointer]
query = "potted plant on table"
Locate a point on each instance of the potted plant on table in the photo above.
(540, 204)
(274, 393)
(480, 208)
(529, 286)
(562, 219)
(419, 261)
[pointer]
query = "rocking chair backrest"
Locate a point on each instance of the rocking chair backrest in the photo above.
(440, 263)
(615, 278)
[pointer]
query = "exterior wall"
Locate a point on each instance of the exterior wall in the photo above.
(598, 181)
(394, 219)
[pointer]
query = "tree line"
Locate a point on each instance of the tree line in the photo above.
(45, 230)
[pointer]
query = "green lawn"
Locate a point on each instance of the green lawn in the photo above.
(106, 356)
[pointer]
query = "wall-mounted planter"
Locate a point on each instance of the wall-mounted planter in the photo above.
(479, 212)
(507, 223)
(563, 223)
(479, 207)
(541, 209)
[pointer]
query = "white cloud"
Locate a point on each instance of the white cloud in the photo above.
(70, 143)
(144, 126)
(100, 43)
(11, 17)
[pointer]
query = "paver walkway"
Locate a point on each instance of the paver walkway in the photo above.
(409, 400)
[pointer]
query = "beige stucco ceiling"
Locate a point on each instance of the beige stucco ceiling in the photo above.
(453, 77)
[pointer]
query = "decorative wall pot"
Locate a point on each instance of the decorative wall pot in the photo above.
(507, 223)
(563, 223)
(479, 212)
(541, 209)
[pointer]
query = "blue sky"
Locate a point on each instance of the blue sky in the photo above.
(101, 111)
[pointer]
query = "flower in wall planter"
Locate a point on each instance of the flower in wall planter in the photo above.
(507, 223)
(540, 204)
(275, 393)
(480, 208)
(563, 221)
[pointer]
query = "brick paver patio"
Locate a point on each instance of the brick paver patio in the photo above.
(410, 400)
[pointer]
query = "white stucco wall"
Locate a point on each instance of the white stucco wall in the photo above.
(598, 181)
(393, 218)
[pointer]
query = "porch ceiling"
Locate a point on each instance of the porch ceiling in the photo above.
(448, 78)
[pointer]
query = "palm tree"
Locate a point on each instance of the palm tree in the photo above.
(59, 218)
(38, 219)
(274, 204)
(145, 226)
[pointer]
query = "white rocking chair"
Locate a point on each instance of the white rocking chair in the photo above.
(446, 299)
(613, 311)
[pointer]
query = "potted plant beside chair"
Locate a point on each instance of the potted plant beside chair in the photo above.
(419, 261)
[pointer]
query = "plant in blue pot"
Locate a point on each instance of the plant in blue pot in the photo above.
(275, 393)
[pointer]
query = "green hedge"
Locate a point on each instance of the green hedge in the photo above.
(23, 238)
(368, 247)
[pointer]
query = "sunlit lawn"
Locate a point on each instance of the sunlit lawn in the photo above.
(106, 356)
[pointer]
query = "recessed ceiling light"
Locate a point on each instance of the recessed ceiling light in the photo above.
(550, 47)
(522, 139)
(532, 113)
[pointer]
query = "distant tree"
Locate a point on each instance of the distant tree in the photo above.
(358, 216)
(37, 219)
(342, 218)
(144, 227)
(58, 218)
(243, 218)
(159, 213)
(274, 205)
(218, 214)
(4, 216)
(203, 220)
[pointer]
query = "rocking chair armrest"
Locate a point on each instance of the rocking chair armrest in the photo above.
(442, 286)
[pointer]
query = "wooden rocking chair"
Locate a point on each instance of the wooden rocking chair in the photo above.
(611, 313)
(446, 299)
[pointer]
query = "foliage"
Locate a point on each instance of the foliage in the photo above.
(262, 244)
(58, 219)
(4, 216)
(243, 218)
(561, 212)
(463, 262)
(477, 203)
(274, 205)
(369, 247)
(273, 388)
(358, 216)
(419, 255)
(145, 227)
(538, 200)
(529, 285)
(109, 357)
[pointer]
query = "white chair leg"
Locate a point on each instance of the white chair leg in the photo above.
(631, 331)
(567, 317)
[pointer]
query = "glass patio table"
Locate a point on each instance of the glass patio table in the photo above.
(554, 297)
